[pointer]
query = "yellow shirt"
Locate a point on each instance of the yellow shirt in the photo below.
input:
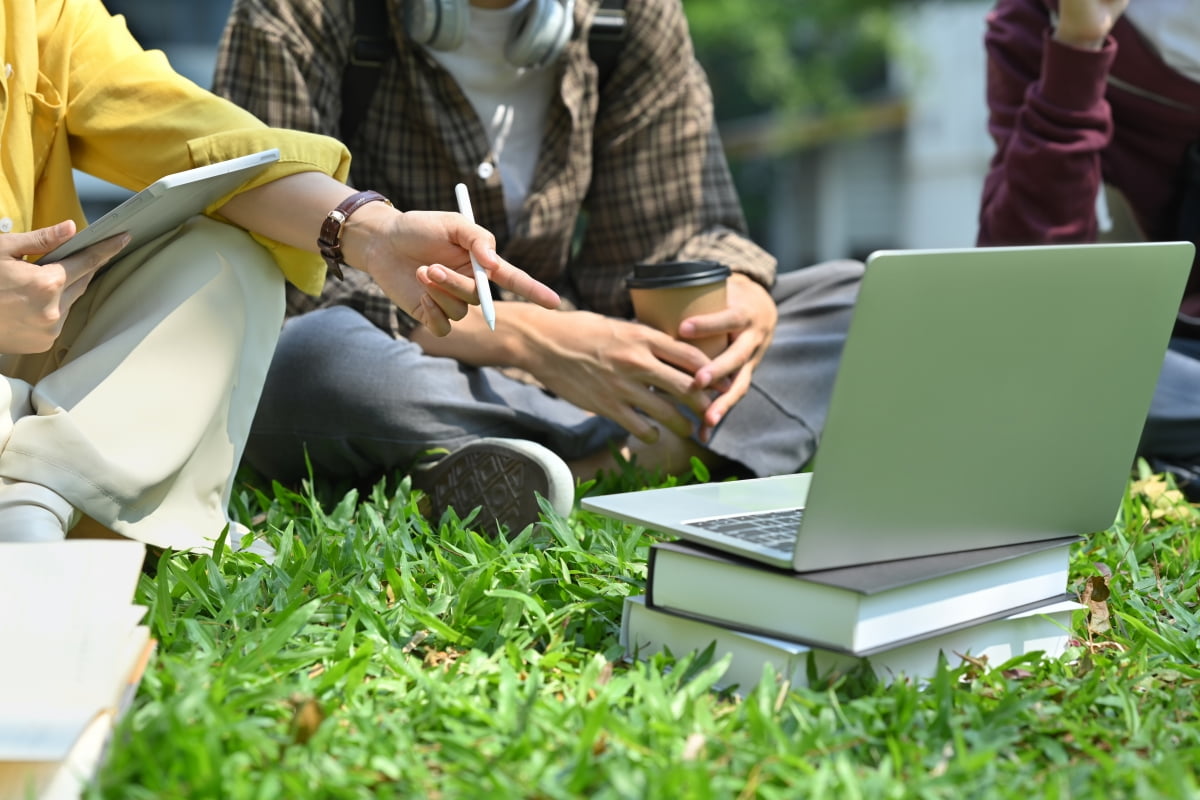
(76, 90)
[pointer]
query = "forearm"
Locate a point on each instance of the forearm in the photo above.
(518, 327)
(290, 210)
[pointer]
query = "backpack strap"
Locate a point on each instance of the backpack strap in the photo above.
(373, 45)
(606, 37)
(370, 48)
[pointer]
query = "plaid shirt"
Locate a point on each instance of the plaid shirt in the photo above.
(636, 175)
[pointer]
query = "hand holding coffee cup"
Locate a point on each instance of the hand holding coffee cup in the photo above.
(664, 295)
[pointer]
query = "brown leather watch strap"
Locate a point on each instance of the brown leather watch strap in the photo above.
(330, 240)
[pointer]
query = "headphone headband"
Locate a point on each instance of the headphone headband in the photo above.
(538, 36)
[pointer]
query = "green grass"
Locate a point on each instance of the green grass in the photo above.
(378, 657)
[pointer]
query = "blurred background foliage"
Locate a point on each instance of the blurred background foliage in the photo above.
(794, 57)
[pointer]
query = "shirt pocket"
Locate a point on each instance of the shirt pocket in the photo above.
(46, 111)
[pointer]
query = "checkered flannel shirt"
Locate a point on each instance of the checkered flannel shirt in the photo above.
(634, 176)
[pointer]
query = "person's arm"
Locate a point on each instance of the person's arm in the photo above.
(661, 187)
(132, 119)
(397, 249)
(1049, 119)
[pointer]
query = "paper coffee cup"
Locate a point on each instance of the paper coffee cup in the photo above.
(666, 294)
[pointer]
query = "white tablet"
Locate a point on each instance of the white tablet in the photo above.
(166, 203)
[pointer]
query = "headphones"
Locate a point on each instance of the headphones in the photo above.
(538, 36)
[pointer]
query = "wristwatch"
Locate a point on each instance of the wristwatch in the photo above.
(330, 240)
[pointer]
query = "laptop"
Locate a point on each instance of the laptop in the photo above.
(985, 397)
(167, 203)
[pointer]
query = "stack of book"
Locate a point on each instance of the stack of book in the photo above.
(74, 651)
(898, 616)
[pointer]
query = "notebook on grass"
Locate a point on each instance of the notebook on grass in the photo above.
(167, 203)
(985, 397)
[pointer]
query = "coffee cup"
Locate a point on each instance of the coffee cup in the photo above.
(666, 294)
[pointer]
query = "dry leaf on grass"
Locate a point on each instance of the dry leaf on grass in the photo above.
(1163, 502)
(1095, 597)
(307, 716)
(693, 748)
(606, 673)
(442, 658)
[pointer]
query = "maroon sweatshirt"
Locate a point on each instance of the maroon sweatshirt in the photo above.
(1065, 119)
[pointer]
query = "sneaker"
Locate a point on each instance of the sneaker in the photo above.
(500, 477)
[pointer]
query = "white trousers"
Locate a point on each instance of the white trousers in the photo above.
(139, 414)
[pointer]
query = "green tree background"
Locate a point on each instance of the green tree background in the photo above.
(792, 57)
(789, 75)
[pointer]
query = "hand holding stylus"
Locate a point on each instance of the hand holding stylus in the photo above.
(481, 279)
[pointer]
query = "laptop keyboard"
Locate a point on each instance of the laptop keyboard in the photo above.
(775, 529)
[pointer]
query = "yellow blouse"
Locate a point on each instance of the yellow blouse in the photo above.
(76, 90)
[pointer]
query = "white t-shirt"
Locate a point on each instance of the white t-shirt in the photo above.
(510, 101)
(1173, 28)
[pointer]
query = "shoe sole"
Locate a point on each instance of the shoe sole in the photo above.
(500, 480)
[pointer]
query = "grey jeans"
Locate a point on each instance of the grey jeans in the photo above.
(364, 403)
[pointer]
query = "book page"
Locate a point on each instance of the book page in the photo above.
(65, 778)
(43, 722)
(70, 637)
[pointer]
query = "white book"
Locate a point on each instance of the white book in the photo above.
(74, 652)
(646, 631)
(859, 609)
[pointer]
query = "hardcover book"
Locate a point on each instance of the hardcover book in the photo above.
(645, 631)
(75, 651)
(859, 609)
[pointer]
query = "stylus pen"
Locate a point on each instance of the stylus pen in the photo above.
(481, 279)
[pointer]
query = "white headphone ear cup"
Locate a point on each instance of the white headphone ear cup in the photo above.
(439, 24)
(541, 33)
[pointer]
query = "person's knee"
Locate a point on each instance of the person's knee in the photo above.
(840, 277)
(250, 265)
(334, 365)
(331, 348)
(835, 270)
(846, 268)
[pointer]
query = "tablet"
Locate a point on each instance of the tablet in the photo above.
(167, 203)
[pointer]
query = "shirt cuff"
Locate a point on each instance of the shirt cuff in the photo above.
(1073, 78)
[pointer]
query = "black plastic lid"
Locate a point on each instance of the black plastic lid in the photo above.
(673, 274)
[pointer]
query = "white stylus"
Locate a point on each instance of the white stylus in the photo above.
(481, 279)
